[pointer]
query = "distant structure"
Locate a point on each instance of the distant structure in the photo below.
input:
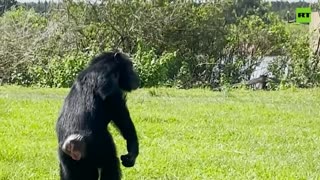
(258, 77)
(314, 29)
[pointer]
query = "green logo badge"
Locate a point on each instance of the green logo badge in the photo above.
(303, 15)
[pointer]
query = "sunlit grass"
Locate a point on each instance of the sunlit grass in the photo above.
(184, 134)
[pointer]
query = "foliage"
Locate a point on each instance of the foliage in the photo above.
(153, 70)
(246, 46)
(6, 5)
(176, 44)
(21, 32)
(299, 67)
(287, 10)
(59, 72)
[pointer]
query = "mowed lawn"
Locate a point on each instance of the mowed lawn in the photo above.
(184, 134)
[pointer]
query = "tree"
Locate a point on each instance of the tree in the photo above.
(6, 4)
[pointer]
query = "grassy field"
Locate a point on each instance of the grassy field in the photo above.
(297, 29)
(184, 134)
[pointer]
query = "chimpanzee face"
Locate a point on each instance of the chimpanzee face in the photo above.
(128, 78)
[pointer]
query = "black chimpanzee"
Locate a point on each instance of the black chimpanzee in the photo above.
(97, 97)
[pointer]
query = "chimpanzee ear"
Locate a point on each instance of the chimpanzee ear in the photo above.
(117, 57)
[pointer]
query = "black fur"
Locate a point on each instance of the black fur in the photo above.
(97, 97)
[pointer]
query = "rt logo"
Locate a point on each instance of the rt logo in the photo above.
(303, 15)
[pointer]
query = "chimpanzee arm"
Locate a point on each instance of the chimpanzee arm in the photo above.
(127, 129)
(124, 123)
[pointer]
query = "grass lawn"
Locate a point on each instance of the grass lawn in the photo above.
(298, 30)
(184, 134)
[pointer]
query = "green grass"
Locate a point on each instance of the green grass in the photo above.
(184, 134)
(297, 29)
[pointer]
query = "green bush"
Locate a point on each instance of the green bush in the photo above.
(176, 44)
(20, 34)
(59, 72)
(302, 66)
(153, 69)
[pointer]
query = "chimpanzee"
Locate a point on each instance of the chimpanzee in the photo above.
(86, 148)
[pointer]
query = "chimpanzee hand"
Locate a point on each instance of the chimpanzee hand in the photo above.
(128, 160)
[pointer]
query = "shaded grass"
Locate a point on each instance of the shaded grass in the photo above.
(184, 134)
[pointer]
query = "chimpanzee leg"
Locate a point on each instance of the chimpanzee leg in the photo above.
(111, 171)
(76, 170)
(110, 165)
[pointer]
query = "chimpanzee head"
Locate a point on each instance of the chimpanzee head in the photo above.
(128, 79)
